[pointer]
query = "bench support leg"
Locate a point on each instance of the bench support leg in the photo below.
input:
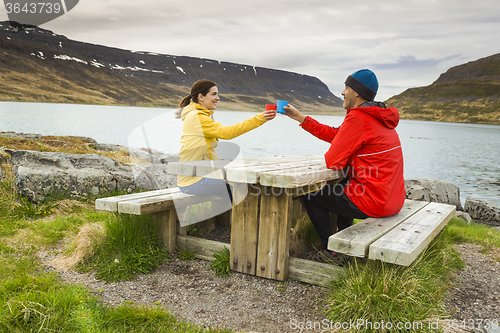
(168, 225)
(274, 234)
(225, 218)
(244, 232)
(297, 210)
(333, 220)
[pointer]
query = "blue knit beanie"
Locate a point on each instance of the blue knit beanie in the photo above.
(364, 82)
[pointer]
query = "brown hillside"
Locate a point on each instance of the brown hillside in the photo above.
(465, 93)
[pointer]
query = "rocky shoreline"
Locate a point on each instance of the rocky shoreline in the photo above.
(39, 174)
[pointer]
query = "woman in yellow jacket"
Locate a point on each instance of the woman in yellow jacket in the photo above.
(200, 135)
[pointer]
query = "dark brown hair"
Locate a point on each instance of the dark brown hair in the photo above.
(199, 87)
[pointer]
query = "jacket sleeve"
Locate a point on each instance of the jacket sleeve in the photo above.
(213, 129)
(350, 138)
(321, 131)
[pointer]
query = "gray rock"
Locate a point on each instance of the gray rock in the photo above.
(39, 174)
(483, 211)
(152, 155)
(153, 176)
(463, 216)
(106, 147)
(434, 191)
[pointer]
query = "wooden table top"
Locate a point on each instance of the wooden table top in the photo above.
(275, 171)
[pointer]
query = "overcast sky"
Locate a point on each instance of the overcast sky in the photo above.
(408, 43)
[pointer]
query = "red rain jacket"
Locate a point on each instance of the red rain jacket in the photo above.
(367, 146)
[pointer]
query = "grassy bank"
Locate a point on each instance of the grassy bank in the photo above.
(33, 299)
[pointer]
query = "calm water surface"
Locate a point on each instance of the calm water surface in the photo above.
(466, 155)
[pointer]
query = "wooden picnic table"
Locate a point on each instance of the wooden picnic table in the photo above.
(261, 219)
(260, 229)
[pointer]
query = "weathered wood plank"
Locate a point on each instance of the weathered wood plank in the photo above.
(356, 240)
(212, 169)
(244, 232)
(216, 169)
(251, 173)
(161, 203)
(313, 272)
(274, 235)
(296, 177)
(298, 210)
(154, 204)
(111, 203)
(271, 159)
(303, 190)
(205, 248)
(299, 269)
(207, 167)
(187, 168)
(403, 244)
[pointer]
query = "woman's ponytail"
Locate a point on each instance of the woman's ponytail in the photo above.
(185, 102)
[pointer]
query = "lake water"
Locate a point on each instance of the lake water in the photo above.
(467, 155)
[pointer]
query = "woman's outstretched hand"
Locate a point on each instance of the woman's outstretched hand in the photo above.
(269, 114)
(293, 113)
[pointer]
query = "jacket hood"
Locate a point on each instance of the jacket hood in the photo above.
(195, 107)
(387, 116)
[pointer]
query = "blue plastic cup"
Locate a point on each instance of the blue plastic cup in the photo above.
(279, 106)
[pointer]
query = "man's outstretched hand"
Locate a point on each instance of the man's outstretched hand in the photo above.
(293, 113)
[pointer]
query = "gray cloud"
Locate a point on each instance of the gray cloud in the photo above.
(408, 43)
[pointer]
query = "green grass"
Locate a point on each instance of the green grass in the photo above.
(221, 264)
(459, 231)
(378, 291)
(129, 246)
(34, 301)
(53, 230)
(185, 254)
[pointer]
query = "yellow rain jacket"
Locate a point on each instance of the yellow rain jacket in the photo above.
(200, 133)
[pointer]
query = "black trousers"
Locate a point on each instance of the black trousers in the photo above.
(331, 198)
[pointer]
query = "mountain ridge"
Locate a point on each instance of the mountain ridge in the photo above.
(465, 93)
(109, 75)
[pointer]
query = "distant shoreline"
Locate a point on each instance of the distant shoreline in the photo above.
(306, 109)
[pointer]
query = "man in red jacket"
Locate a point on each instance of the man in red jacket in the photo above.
(366, 145)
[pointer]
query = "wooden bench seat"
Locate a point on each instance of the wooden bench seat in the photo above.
(163, 206)
(398, 239)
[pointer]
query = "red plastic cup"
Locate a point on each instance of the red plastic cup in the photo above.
(270, 107)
